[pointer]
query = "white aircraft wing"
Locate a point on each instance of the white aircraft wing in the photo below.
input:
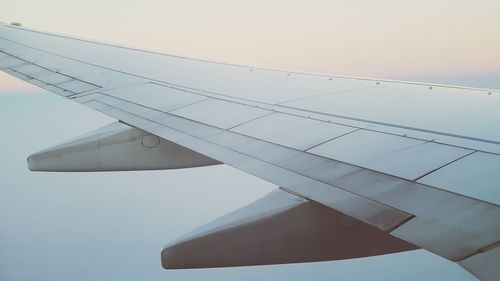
(365, 166)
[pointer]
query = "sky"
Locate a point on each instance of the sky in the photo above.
(111, 226)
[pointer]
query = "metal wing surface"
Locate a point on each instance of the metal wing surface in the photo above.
(409, 165)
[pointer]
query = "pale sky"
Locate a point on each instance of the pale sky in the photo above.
(384, 38)
(91, 226)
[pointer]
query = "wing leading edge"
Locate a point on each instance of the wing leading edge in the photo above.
(337, 146)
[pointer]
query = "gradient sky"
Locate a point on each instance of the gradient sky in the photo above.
(384, 38)
(111, 226)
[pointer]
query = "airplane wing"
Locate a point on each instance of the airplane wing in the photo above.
(365, 166)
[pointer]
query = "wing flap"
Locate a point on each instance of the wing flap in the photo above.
(477, 176)
(395, 155)
(455, 230)
(484, 265)
(293, 131)
(221, 114)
